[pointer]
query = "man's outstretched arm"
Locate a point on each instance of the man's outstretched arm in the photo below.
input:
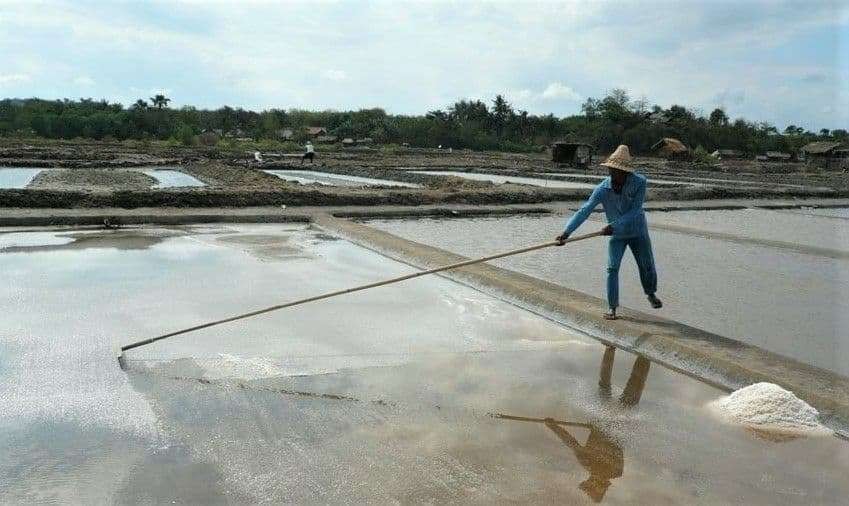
(581, 214)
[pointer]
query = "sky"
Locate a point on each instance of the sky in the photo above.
(783, 62)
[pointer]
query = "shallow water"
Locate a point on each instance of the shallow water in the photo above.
(577, 175)
(170, 178)
(419, 392)
(768, 225)
(838, 212)
(788, 302)
(327, 179)
(14, 177)
(495, 178)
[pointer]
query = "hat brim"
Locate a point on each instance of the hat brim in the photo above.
(614, 165)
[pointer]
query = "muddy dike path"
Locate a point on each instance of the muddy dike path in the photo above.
(107, 175)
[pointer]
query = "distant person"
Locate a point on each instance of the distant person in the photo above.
(622, 195)
(309, 153)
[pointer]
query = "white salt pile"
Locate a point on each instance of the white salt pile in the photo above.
(768, 407)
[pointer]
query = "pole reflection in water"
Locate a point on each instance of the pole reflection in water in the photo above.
(601, 456)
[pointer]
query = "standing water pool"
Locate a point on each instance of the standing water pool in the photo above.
(170, 178)
(426, 391)
(498, 179)
(17, 177)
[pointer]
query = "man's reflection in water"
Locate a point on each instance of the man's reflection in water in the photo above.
(636, 382)
(600, 455)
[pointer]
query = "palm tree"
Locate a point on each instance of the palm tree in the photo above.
(140, 105)
(160, 101)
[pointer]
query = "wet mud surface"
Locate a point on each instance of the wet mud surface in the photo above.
(461, 399)
(785, 301)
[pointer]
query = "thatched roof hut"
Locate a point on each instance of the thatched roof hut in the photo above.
(671, 148)
(828, 154)
(316, 131)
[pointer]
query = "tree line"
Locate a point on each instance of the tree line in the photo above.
(603, 122)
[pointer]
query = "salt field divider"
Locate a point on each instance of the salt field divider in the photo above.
(714, 359)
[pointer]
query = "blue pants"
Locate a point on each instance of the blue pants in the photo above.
(641, 248)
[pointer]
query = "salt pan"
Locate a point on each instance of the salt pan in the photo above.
(768, 407)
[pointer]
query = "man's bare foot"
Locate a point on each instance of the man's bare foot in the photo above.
(610, 315)
(655, 302)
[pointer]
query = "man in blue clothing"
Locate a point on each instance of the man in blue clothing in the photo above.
(622, 195)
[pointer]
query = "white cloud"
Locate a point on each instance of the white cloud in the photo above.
(84, 81)
(13, 78)
(335, 75)
(426, 55)
(559, 91)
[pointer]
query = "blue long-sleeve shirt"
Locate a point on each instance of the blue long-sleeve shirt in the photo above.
(624, 210)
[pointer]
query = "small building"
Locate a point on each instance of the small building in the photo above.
(778, 156)
(209, 138)
(671, 149)
(577, 154)
(316, 131)
(728, 154)
(326, 139)
(826, 154)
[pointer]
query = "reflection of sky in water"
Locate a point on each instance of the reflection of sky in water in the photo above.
(497, 179)
(17, 177)
(16, 239)
(327, 179)
(74, 428)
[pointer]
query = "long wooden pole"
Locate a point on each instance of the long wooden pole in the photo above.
(350, 290)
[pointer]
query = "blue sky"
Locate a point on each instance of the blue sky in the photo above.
(774, 61)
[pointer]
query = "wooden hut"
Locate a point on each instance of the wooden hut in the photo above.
(671, 149)
(316, 131)
(826, 154)
(577, 154)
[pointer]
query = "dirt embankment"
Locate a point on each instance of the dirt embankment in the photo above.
(324, 196)
(235, 180)
(102, 180)
(221, 175)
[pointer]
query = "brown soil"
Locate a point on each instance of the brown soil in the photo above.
(91, 179)
(235, 180)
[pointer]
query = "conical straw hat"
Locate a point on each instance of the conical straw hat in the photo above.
(620, 159)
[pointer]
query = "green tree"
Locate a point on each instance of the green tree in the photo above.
(159, 101)
(718, 118)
